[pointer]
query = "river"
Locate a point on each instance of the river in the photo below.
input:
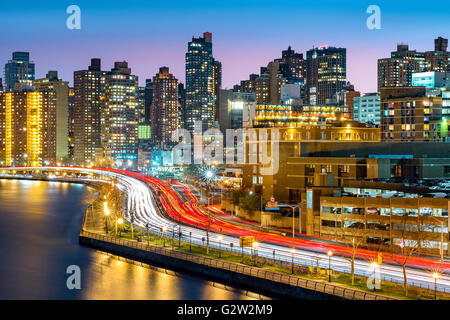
(39, 225)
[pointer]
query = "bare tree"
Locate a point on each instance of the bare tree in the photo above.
(409, 249)
(353, 244)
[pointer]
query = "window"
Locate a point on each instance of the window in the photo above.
(353, 210)
(331, 210)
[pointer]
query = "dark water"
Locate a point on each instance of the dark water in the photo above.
(39, 225)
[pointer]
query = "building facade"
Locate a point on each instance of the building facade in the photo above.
(119, 117)
(408, 114)
(367, 108)
(18, 70)
(88, 99)
(326, 73)
(61, 89)
(200, 82)
(165, 109)
(29, 122)
(397, 70)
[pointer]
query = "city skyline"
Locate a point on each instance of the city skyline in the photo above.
(153, 35)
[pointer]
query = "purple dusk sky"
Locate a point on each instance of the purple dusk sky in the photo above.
(246, 34)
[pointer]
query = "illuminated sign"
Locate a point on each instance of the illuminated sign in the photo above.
(246, 241)
(272, 205)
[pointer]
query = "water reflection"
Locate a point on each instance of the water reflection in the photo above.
(39, 224)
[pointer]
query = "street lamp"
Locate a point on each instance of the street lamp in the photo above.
(374, 266)
(220, 238)
(119, 221)
(435, 276)
(293, 220)
(330, 253)
(292, 252)
(255, 251)
(163, 230)
(107, 212)
(190, 242)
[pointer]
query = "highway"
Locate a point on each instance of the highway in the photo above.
(188, 218)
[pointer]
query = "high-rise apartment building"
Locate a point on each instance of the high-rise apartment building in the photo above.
(119, 120)
(182, 105)
(292, 66)
(18, 70)
(140, 98)
(89, 94)
(165, 108)
(71, 122)
(61, 89)
(217, 72)
(267, 86)
(200, 82)
(397, 70)
(326, 73)
(28, 121)
(148, 96)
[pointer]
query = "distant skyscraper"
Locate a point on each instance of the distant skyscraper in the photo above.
(217, 68)
(200, 103)
(164, 107)
(119, 127)
(87, 104)
(29, 122)
(267, 86)
(71, 122)
(61, 89)
(140, 98)
(19, 69)
(181, 105)
(292, 66)
(148, 96)
(396, 72)
(326, 73)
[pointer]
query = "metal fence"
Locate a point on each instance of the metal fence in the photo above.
(318, 286)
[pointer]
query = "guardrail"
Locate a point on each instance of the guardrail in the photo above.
(291, 280)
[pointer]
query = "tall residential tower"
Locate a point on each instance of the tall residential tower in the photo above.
(87, 103)
(201, 82)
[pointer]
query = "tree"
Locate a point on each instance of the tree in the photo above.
(409, 248)
(353, 244)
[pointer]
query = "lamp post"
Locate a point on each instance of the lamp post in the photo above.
(119, 221)
(293, 221)
(292, 252)
(330, 253)
(163, 230)
(190, 242)
(107, 212)
(374, 266)
(435, 276)
(255, 251)
(148, 236)
(220, 238)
